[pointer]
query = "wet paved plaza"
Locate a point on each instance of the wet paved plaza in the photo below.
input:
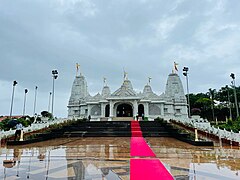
(107, 158)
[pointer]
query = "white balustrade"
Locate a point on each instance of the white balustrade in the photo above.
(33, 127)
(205, 126)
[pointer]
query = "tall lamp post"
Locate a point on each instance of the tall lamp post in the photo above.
(232, 75)
(24, 102)
(185, 73)
(54, 75)
(14, 84)
(49, 101)
(35, 101)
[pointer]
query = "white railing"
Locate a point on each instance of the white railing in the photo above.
(33, 127)
(206, 127)
(203, 126)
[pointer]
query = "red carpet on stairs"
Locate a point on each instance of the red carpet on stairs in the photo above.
(140, 168)
(140, 148)
(135, 129)
(152, 169)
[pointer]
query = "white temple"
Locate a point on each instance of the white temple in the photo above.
(125, 103)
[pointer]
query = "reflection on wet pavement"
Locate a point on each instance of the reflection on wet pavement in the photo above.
(107, 158)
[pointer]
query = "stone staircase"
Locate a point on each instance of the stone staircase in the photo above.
(99, 129)
(114, 129)
(153, 129)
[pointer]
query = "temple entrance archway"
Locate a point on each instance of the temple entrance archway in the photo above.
(124, 110)
(140, 110)
(107, 110)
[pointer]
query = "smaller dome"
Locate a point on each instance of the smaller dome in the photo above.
(148, 93)
(106, 92)
(125, 90)
(147, 89)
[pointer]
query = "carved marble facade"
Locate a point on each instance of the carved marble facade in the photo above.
(125, 102)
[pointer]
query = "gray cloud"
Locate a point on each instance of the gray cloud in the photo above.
(144, 37)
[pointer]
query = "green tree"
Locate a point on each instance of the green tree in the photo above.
(47, 114)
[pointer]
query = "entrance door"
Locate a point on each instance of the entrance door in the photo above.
(140, 110)
(124, 110)
(107, 109)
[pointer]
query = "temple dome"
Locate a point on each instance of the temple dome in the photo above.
(125, 90)
(174, 88)
(79, 90)
(106, 92)
(148, 93)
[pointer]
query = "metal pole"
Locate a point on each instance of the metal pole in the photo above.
(14, 84)
(24, 103)
(235, 97)
(12, 102)
(35, 101)
(229, 103)
(189, 109)
(49, 101)
(53, 96)
(55, 75)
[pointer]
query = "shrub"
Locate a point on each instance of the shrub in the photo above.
(38, 119)
(159, 119)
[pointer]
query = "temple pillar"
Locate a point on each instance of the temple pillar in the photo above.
(89, 110)
(111, 109)
(162, 109)
(135, 108)
(146, 110)
(102, 110)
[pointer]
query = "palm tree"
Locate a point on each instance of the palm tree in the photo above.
(212, 93)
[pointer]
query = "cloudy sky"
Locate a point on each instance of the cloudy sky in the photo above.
(144, 37)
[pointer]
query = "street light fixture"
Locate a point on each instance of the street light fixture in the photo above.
(24, 102)
(185, 73)
(55, 75)
(232, 75)
(14, 84)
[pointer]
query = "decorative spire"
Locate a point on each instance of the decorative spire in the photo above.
(125, 75)
(77, 68)
(149, 80)
(104, 81)
(175, 69)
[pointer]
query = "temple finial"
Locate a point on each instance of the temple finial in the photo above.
(77, 68)
(104, 81)
(125, 75)
(149, 80)
(175, 69)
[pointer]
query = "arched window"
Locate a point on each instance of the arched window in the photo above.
(154, 109)
(96, 110)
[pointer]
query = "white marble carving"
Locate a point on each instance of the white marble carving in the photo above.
(172, 103)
